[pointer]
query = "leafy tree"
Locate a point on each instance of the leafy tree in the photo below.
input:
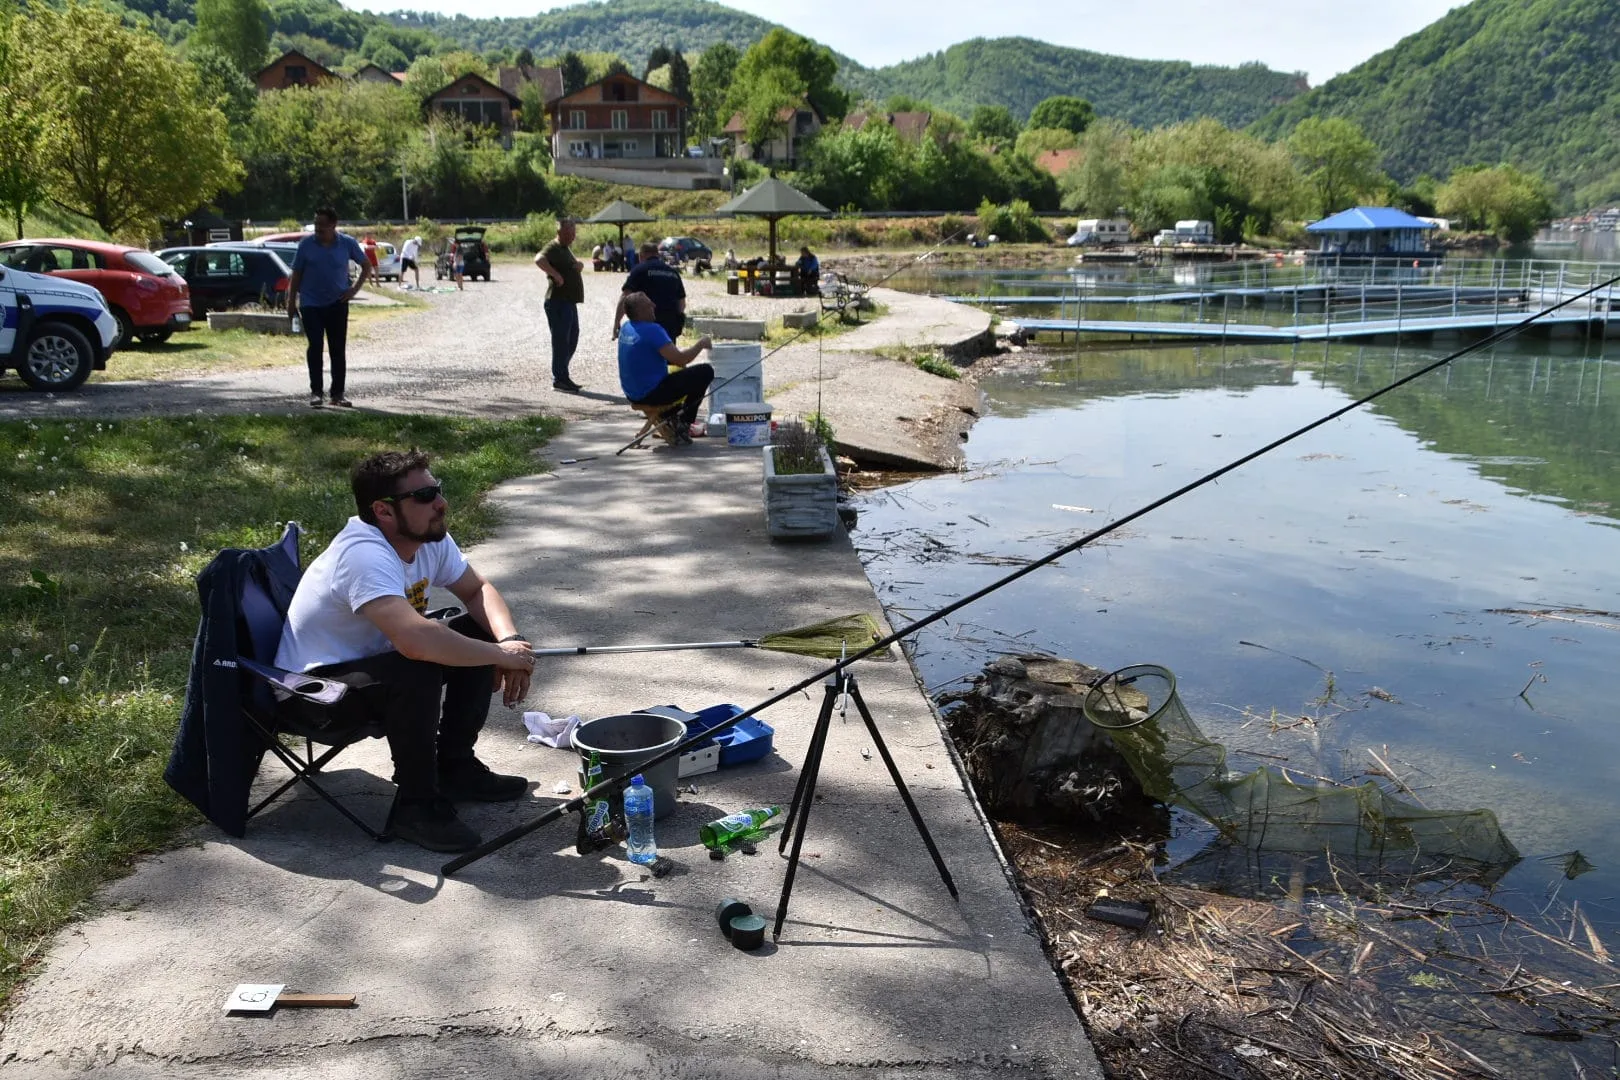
(711, 86)
(1511, 203)
(131, 143)
(779, 71)
(1063, 111)
(223, 84)
(906, 103)
(616, 66)
(524, 58)
(1099, 182)
(656, 59)
(680, 77)
(238, 28)
(574, 75)
(993, 123)
(1035, 141)
(1339, 162)
(22, 129)
(863, 169)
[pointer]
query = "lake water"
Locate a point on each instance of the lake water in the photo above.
(1402, 548)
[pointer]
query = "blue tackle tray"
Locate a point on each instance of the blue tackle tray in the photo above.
(748, 740)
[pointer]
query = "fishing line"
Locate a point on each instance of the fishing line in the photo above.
(578, 803)
(817, 324)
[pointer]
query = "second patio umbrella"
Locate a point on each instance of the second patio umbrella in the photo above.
(620, 213)
(773, 200)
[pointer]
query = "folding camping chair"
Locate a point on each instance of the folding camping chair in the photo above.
(264, 598)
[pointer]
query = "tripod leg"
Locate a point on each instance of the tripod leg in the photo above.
(803, 798)
(812, 760)
(900, 785)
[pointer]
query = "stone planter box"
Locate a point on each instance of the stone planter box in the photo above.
(261, 322)
(800, 505)
(735, 329)
(800, 320)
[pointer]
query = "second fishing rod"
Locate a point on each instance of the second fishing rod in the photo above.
(578, 803)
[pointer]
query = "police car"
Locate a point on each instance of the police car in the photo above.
(53, 331)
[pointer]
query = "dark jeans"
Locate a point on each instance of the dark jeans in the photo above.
(402, 697)
(563, 318)
(690, 382)
(332, 322)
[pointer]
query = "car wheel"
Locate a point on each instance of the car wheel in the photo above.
(153, 337)
(58, 357)
(126, 329)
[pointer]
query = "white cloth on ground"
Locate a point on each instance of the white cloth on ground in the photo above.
(548, 730)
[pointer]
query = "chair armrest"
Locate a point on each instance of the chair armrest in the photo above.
(444, 614)
(309, 687)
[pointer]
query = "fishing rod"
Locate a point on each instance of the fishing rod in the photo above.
(577, 804)
(805, 330)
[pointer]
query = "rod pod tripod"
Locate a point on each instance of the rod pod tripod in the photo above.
(840, 684)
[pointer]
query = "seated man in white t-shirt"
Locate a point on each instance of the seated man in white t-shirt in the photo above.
(358, 617)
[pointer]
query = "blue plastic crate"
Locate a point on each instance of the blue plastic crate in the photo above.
(748, 740)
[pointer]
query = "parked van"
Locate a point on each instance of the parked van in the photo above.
(1195, 232)
(1101, 231)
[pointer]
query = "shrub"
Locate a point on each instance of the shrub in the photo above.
(796, 449)
(935, 364)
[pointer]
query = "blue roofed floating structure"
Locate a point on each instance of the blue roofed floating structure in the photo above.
(1370, 232)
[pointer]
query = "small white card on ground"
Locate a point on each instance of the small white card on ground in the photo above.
(253, 997)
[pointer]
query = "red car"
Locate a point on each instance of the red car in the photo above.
(149, 300)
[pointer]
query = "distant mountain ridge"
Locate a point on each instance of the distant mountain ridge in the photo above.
(1021, 72)
(1531, 82)
(1015, 72)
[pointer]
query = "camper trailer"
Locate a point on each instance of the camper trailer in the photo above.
(1101, 231)
(1195, 232)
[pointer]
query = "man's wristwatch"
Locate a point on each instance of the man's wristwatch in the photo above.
(514, 637)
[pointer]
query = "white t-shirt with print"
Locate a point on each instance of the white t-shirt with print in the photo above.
(323, 623)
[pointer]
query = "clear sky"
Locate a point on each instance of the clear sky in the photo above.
(1319, 37)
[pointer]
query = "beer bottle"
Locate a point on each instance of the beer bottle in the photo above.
(723, 831)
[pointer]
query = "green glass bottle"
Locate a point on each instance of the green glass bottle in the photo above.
(717, 834)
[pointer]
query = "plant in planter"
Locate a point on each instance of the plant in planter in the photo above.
(801, 484)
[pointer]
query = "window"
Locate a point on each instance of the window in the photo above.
(580, 148)
(619, 148)
(15, 256)
(76, 259)
(621, 120)
(660, 120)
(222, 264)
(296, 73)
(576, 119)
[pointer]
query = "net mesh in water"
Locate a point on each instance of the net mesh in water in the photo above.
(829, 639)
(1267, 809)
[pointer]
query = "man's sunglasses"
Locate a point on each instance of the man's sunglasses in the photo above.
(423, 495)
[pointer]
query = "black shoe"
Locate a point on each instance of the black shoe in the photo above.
(473, 781)
(432, 824)
(315, 401)
(567, 386)
(342, 402)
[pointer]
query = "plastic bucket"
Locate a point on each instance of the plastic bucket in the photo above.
(748, 424)
(624, 741)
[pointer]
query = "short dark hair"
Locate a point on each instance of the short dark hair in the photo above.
(328, 213)
(379, 475)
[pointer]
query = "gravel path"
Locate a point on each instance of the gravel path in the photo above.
(486, 352)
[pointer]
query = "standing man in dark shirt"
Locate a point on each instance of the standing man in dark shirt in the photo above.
(662, 284)
(563, 296)
(320, 286)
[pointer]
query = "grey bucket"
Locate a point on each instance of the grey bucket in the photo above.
(624, 741)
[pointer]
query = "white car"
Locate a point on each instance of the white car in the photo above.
(53, 331)
(387, 261)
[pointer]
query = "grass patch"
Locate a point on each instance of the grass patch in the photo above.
(103, 531)
(929, 360)
(201, 351)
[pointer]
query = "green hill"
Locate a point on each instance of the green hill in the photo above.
(1020, 72)
(1531, 82)
(1015, 72)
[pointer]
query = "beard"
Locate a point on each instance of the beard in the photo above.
(434, 532)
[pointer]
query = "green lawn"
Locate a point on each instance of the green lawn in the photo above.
(102, 532)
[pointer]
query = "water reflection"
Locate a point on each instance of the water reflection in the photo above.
(1434, 554)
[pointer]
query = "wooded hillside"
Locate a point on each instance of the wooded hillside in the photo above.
(1531, 82)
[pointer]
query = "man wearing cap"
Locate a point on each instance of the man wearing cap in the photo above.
(407, 259)
(358, 617)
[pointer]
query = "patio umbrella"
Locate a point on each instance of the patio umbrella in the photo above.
(620, 213)
(773, 200)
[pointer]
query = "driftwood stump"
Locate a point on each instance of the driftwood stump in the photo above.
(1028, 746)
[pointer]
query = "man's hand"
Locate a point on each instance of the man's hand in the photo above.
(512, 674)
(704, 343)
(615, 331)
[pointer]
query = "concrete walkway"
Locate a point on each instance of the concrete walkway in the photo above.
(537, 962)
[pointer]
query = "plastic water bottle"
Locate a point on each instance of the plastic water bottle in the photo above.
(638, 817)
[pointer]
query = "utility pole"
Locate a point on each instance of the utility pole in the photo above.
(404, 193)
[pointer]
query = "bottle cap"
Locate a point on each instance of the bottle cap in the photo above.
(635, 781)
